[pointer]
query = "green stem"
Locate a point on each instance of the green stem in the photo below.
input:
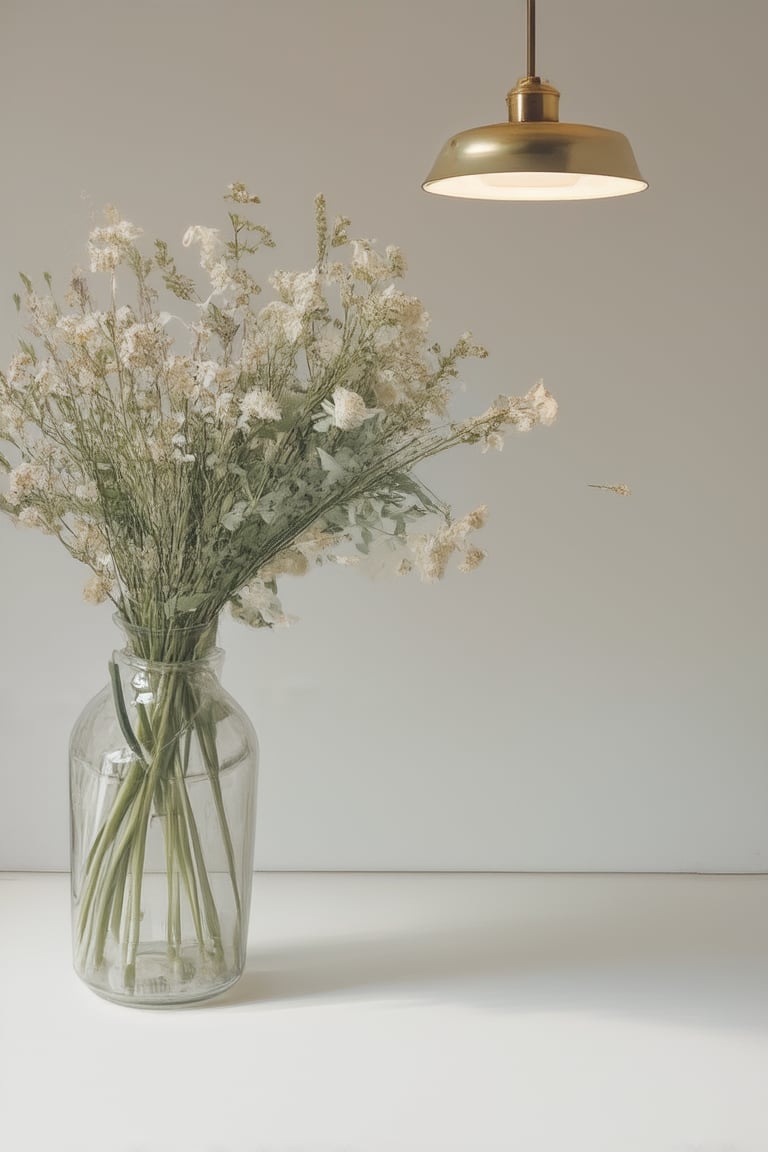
(136, 825)
(119, 898)
(138, 849)
(188, 876)
(207, 741)
(106, 838)
(171, 872)
(121, 848)
(209, 904)
(182, 843)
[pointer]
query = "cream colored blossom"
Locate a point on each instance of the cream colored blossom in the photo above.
(396, 262)
(538, 406)
(87, 493)
(28, 480)
(385, 388)
(221, 279)
(302, 290)
(260, 404)
(328, 345)
(124, 317)
(259, 605)
(408, 312)
(208, 239)
(282, 321)
(180, 375)
(495, 441)
(340, 275)
(349, 409)
(315, 542)
(471, 522)
(208, 374)
(103, 259)
(43, 311)
(543, 403)
(472, 558)
(33, 518)
(86, 379)
(289, 562)
(108, 245)
(11, 420)
(225, 407)
(369, 265)
(48, 380)
(20, 369)
(227, 376)
(240, 194)
(433, 550)
(98, 588)
(254, 350)
(45, 451)
(89, 544)
(82, 331)
(465, 347)
(432, 554)
(142, 345)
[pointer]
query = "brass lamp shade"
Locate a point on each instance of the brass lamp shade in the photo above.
(534, 156)
(535, 160)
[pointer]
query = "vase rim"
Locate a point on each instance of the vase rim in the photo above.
(159, 645)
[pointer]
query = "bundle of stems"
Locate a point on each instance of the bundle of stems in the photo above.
(172, 715)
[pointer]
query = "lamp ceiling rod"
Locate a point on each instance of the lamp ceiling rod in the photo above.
(531, 37)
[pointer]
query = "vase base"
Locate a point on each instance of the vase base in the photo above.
(159, 981)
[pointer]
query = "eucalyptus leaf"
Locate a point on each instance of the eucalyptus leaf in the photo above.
(235, 517)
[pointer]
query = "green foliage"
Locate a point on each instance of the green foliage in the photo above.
(183, 287)
(223, 324)
(189, 476)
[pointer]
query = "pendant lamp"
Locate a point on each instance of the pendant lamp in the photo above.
(533, 156)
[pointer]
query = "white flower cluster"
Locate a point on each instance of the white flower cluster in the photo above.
(433, 550)
(259, 404)
(522, 413)
(108, 246)
(345, 410)
(280, 436)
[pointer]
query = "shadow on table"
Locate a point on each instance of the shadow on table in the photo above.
(696, 960)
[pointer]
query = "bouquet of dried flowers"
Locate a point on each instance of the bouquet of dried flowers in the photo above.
(192, 459)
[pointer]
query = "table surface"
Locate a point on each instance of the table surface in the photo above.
(406, 1013)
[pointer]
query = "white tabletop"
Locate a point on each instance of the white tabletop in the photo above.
(406, 1013)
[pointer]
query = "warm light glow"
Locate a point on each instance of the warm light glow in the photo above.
(530, 179)
(534, 186)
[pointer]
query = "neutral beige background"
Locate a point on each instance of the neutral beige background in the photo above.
(594, 696)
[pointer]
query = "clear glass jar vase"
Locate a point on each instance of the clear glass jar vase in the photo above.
(163, 768)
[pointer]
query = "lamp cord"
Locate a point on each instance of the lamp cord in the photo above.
(531, 37)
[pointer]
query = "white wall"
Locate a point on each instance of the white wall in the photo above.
(593, 698)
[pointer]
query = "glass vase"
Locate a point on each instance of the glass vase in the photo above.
(163, 767)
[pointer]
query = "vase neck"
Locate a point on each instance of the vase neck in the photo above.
(169, 645)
